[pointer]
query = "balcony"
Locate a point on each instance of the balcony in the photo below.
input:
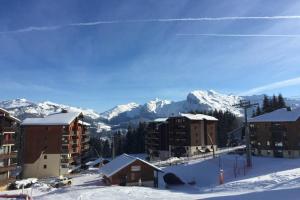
(8, 155)
(74, 133)
(86, 140)
(8, 129)
(66, 151)
(85, 147)
(7, 142)
(66, 133)
(8, 168)
(66, 160)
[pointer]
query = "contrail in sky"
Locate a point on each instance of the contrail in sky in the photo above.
(95, 23)
(239, 35)
(272, 86)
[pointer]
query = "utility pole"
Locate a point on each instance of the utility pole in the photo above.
(247, 105)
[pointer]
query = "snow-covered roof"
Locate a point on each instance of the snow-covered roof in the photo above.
(280, 115)
(160, 120)
(9, 115)
(119, 163)
(198, 117)
(94, 162)
(83, 123)
(53, 119)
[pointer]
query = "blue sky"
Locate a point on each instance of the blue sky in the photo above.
(98, 53)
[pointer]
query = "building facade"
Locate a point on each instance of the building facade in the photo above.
(126, 170)
(192, 134)
(54, 145)
(157, 139)
(183, 135)
(276, 134)
(9, 127)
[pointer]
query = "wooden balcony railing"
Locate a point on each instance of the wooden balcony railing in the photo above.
(8, 168)
(8, 155)
(10, 141)
(8, 129)
(66, 160)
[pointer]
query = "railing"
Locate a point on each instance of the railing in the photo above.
(85, 147)
(8, 155)
(66, 133)
(8, 129)
(10, 141)
(197, 157)
(67, 160)
(8, 168)
(66, 151)
(86, 140)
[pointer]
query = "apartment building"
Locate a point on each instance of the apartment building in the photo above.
(157, 141)
(54, 145)
(184, 135)
(276, 134)
(9, 126)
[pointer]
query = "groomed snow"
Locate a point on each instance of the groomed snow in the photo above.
(270, 178)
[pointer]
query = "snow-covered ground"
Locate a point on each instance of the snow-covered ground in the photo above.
(270, 178)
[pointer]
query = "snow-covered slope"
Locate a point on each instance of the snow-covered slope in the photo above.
(269, 178)
(24, 108)
(116, 111)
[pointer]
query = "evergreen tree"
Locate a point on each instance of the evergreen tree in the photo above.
(106, 151)
(266, 104)
(274, 103)
(258, 111)
(281, 102)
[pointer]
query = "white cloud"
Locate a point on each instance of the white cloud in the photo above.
(272, 86)
(239, 35)
(95, 23)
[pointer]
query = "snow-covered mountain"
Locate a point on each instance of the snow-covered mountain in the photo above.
(23, 108)
(198, 100)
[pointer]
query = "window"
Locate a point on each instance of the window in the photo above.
(45, 156)
(132, 176)
(45, 166)
(135, 168)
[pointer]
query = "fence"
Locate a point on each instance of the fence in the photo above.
(182, 160)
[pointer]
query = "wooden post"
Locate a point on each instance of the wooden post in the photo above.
(221, 177)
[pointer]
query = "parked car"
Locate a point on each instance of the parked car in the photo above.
(60, 182)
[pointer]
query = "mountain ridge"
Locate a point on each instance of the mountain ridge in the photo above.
(198, 100)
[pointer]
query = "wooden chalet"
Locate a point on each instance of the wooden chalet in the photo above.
(126, 170)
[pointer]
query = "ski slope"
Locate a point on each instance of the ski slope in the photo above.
(270, 178)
